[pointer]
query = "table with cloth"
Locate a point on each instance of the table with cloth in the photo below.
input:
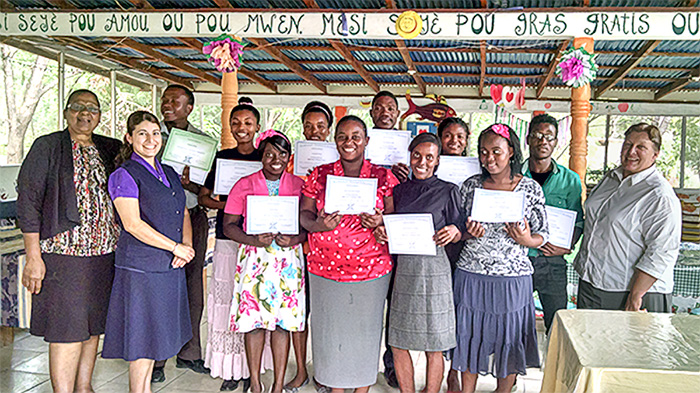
(616, 351)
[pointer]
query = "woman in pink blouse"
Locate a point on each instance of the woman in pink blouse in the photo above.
(349, 271)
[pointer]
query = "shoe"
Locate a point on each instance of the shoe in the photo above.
(246, 385)
(390, 377)
(229, 385)
(158, 375)
(194, 365)
(320, 388)
(288, 389)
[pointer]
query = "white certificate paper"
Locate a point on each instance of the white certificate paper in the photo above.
(228, 172)
(410, 234)
(498, 206)
(197, 175)
(8, 182)
(310, 154)
(191, 149)
(272, 214)
(561, 226)
(387, 147)
(350, 195)
(455, 169)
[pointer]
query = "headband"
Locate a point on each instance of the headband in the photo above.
(269, 134)
(501, 129)
(324, 110)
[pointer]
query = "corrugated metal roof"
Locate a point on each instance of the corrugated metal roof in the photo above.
(694, 85)
(256, 55)
(282, 77)
(447, 57)
(660, 74)
(183, 54)
(379, 56)
(622, 46)
(451, 80)
(514, 71)
(434, 69)
(604, 59)
(627, 84)
(393, 78)
(519, 58)
(301, 55)
(157, 64)
(266, 67)
(181, 74)
(329, 67)
(340, 77)
(156, 41)
(670, 61)
(386, 68)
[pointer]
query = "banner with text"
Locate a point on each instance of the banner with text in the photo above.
(371, 25)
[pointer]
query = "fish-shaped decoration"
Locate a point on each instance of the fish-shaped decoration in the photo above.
(435, 111)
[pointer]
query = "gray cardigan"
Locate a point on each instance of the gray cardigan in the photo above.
(46, 199)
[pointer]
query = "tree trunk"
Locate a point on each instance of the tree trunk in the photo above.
(22, 98)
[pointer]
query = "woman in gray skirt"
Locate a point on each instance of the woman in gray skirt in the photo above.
(349, 271)
(493, 281)
(423, 316)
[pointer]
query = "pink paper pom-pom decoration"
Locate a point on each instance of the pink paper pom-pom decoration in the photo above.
(225, 52)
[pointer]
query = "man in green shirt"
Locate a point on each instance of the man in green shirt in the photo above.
(562, 189)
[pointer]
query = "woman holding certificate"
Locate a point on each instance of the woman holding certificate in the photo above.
(148, 317)
(316, 119)
(268, 293)
(493, 285)
(349, 271)
(423, 315)
(453, 133)
(225, 352)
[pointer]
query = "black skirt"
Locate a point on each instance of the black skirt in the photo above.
(72, 304)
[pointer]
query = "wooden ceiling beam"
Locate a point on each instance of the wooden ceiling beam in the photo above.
(552, 67)
(406, 55)
(292, 65)
(258, 79)
(482, 66)
(638, 56)
(359, 68)
(148, 51)
(126, 61)
(678, 84)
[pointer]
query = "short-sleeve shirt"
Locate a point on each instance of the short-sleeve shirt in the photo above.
(435, 196)
(123, 185)
(349, 253)
(496, 253)
(210, 182)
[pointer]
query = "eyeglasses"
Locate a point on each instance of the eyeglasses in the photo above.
(547, 137)
(75, 107)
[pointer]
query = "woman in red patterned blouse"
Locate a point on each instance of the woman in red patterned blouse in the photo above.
(349, 271)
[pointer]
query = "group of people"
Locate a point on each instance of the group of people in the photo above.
(115, 244)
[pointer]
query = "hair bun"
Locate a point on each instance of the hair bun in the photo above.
(245, 101)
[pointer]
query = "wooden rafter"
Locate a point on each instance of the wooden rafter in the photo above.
(406, 55)
(359, 68)
(638, 56)
(552, 67)
(292, 65)
(124, 60)
(482, 68)
(678, 84)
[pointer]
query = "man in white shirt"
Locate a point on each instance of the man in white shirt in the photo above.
(176, 105)
(632, 232)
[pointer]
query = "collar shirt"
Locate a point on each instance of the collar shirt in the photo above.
(562, 189)
(631, 223)
(190, 197)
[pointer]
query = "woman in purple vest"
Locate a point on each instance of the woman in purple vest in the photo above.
(148, 317)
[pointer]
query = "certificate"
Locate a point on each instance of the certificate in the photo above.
(387, 147)
(191, 149)
(8, 182)
(498, 206)
(455, 169)
(410, 234)
(228, 172)
(350, 195)
(272, 214)
(561, 224)
(196, 175)
(310, 154)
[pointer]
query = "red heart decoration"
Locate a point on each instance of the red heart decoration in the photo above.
(496, 93)
(509, 96)
(623, 107)
(547, 105)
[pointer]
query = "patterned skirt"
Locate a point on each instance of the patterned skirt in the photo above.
(225, 352)
(269, 289)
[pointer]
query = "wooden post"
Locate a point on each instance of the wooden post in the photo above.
(229, 99)
(580, 109)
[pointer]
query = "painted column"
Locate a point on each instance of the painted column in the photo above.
(580, 109)
(229, 99)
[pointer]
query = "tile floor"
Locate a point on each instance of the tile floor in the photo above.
(24, 368)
